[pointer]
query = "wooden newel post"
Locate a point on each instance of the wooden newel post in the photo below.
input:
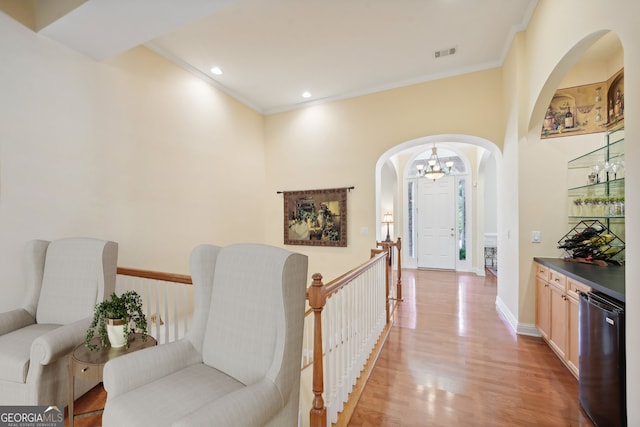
(399, 283)
(386, 247)
(317, 301)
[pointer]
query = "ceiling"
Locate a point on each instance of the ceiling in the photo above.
(272, 50)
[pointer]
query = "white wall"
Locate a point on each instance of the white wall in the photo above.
(388, 190)
(490, 198)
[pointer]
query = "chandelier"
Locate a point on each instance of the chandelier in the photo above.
(434, 169)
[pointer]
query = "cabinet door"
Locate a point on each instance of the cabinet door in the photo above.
(573, 289)
(572, 336)
(558, 279)
(558, 330)
(543, 307)
(542, 272)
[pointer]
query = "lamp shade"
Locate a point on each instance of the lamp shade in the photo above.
(387, 218)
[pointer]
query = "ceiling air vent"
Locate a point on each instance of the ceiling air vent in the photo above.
(445, 52)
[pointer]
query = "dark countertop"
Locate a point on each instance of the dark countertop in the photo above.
(608, 280)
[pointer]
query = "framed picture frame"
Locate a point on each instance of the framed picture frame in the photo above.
(316, 217)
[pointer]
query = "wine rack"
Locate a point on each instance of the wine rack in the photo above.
(591, 240)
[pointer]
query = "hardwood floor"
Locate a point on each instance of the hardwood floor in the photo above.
(91, 401)
(451, 360)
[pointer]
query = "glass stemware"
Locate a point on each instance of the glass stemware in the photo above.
(606, 168)
(596, 170)
(615, 167)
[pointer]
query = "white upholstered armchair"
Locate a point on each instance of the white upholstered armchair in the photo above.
(239, 364)
(65, 278)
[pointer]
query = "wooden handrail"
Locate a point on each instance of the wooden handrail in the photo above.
(156, 275)
(317, 295)
(338, 283)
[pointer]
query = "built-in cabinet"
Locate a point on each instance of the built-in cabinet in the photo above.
(596, 196)
(557, 313)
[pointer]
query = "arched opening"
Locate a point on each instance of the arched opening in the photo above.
(580, 82)
(585, 87)
(467, 183)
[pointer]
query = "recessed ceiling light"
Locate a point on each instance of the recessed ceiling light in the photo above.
(216, 70)
(306, 94)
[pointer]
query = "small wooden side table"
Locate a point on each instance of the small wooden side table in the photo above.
(88, 365)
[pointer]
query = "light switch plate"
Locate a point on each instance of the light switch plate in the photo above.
(535, 237)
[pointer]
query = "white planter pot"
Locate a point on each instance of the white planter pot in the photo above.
(115, 332)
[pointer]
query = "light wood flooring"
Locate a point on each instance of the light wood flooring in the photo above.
(452, 360)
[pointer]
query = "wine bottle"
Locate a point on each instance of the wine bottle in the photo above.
(568, 119)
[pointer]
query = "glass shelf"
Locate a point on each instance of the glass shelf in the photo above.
(615, 185)
(616, 151)
(616, 135)
(578, 217)
(592, 202)
(586, 161)
(611, 152)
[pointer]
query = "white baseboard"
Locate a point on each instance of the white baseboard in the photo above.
(519, 328)
(509, 317)
(528, 329)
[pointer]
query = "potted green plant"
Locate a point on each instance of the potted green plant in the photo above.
(113, 319)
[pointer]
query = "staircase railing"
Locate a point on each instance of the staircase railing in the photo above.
(167, 300)
(343, 328)
(350, 315)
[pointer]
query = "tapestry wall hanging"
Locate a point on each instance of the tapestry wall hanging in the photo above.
(315, 217)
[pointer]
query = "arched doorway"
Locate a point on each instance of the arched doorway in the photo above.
(469, 229)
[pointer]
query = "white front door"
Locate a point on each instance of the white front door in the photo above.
(436, 222)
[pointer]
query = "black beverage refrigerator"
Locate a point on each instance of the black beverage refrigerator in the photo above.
(602, 374)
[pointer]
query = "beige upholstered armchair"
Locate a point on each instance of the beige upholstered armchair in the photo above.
(239, 364)
(65, 279)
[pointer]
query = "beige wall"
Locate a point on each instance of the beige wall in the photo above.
(134, 150)
(22, 11)
(141, 152)
(338, 145)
